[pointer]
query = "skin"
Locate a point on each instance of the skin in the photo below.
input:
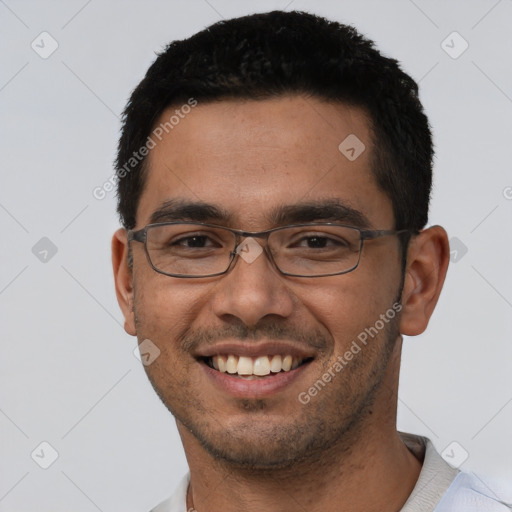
(341, 451)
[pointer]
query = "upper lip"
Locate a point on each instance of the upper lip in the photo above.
(255, 349)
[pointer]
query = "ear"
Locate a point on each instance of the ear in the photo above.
(123, 279)
(427, 262)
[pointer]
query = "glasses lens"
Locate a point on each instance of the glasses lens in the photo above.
(316, 250)
(189, 249)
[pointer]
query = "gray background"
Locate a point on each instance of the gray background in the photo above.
(68, 375)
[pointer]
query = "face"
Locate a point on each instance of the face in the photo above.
(249, 160)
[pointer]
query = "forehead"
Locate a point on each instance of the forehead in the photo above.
(249, 158)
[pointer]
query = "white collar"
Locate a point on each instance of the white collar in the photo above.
(435, 478)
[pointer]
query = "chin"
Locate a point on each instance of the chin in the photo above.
(260, 454)
(260, 444)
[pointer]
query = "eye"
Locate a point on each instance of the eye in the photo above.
(317, 241)
(193, 242)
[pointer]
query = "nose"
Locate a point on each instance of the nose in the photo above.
(253, 288)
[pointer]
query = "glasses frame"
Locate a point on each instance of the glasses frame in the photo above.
(364, 234)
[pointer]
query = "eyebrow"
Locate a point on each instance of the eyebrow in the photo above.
(326, 210)
(320, 210)
(180, 209)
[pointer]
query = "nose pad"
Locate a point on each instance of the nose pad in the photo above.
(249, 250)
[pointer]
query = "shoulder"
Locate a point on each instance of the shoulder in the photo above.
(442, 488)
(468, 493)
(178, 501)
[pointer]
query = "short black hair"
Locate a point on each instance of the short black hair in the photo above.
(272, 54)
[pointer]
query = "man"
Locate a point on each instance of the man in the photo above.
(274, 180)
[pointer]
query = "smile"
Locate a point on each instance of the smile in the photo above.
(254, 370)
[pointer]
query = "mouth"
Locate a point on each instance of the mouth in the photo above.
(256, 370)
(252, 368)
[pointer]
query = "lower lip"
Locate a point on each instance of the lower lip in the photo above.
(255, 388)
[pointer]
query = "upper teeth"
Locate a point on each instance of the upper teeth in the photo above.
(261, 365)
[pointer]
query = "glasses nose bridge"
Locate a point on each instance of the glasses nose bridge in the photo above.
(242, 236)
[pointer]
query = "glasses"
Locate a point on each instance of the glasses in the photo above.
(191, 250)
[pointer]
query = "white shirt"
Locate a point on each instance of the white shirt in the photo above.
(440, 488)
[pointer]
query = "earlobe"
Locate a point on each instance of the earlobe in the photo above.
(123, 279)
(427, 262)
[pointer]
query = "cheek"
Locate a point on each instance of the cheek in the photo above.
(165, 308)
(163, 305)
(348, 304)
